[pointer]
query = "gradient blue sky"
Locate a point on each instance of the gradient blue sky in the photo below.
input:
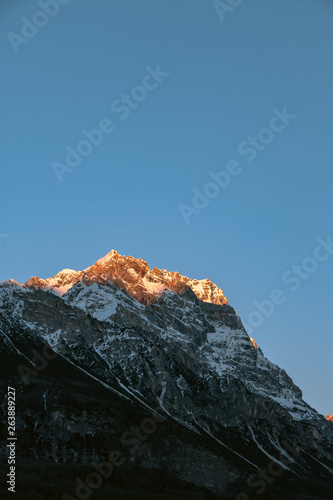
(225, 79)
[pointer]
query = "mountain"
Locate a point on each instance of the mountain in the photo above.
(132, 275)
(159, 367)
(329, 417)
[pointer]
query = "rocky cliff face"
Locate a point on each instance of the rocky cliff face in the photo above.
(132, 275)
(165, 343)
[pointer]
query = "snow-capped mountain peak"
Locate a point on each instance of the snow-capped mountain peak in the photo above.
(135, 276)
(59, 284)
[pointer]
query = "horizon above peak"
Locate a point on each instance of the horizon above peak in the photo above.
(67, 271)
(108, 256)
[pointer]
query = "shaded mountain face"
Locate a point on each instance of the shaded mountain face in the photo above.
(158, 345)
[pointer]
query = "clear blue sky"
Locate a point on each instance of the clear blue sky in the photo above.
(225, 79)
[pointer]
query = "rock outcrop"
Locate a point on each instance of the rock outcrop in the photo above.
(133, 275)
